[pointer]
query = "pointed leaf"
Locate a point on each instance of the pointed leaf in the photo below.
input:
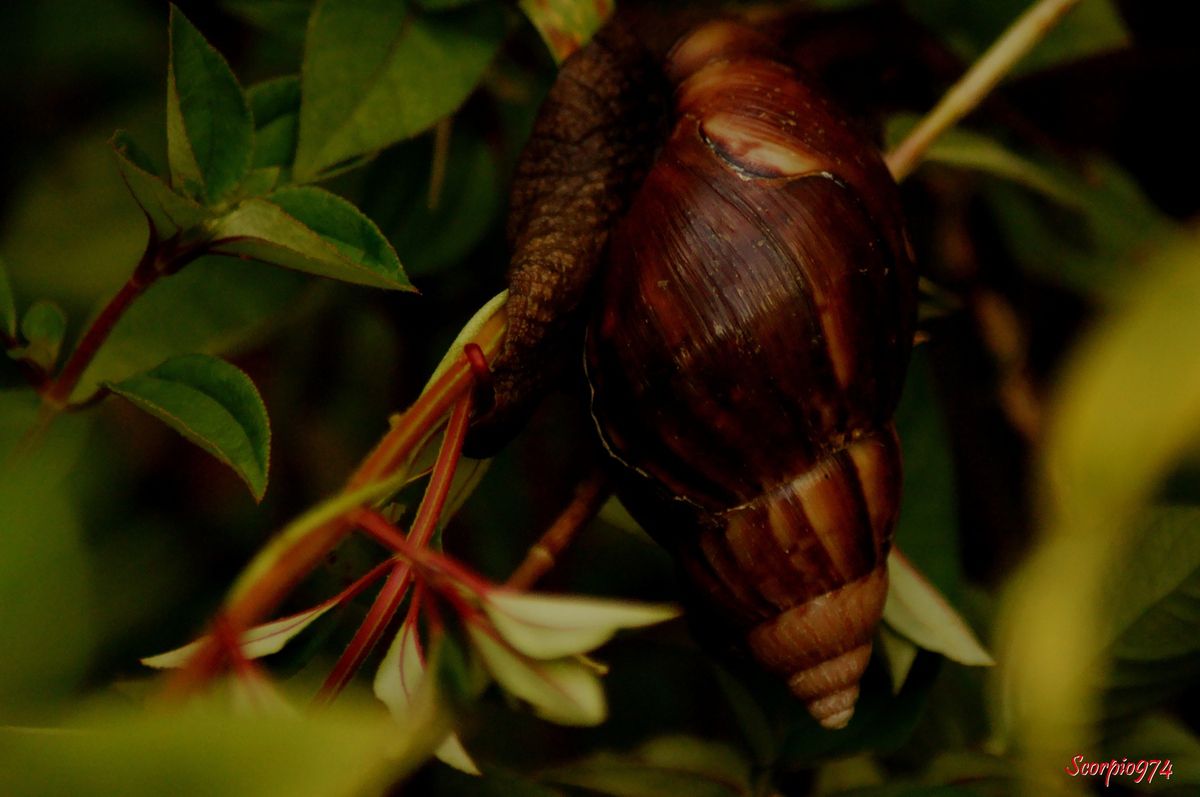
(262, 640)
(375, 74)
(566, 25)
(969, 149)
(275, 106)
(43, 327)
(214, 405)
(167, 210)
(564, 691)
(918, 611)
(969, 28)
(312, 230)
(210, 134)
(553, 626)
(900, 652)
(397, 681)
(8, 307)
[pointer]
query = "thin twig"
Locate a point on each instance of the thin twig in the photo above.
(589, 496)
(1029, 29)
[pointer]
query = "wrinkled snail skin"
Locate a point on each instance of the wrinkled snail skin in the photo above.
(590, 147)
(740, 253)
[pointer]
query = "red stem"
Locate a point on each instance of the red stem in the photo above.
(58, 392)
(367, 636)
(392, 595)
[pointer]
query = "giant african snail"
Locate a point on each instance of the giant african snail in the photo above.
(748, 337)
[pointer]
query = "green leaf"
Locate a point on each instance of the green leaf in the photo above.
(566, 25)
(398, 681)
(312, 230)
(928, 525)
(375, 74)
(553, 626)
(1090, 29)
(918, 611)
(275, 105)
(1151, 623)
(214, 405)
(214, 306)
(8, 307)
(969, 149)
(565, 691)
(663, 767)
(1093, 248)
(43, 327)
(166, 209)
(210, 133)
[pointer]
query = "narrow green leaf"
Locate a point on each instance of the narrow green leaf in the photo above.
(8, 307)
(969, 149)
(210, 133)
(167, 210)
(564, 691)
(309, 229)
(375, 74)
(43, 327)
(213, 404)
(275, 105)
(553, 626)
(1091, 28)
(566, 25)
(663, 767)
(261, 640)
(918, 611)
(1093, 248)
(400, 677)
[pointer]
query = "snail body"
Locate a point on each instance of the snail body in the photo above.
(746, 350)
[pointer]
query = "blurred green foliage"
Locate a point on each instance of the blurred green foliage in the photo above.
(117, 538)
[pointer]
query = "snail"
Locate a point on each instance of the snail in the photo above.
(733, 254)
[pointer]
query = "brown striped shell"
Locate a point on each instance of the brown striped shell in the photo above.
(747, 356)
(749, 339)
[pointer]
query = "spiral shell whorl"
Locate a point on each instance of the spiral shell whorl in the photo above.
(803, 568)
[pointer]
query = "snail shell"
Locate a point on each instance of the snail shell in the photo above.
(748, 343)
(747, 356)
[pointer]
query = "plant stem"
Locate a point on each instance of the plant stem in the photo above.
(367, 636)
(58, 393)
(393, 592)
(1030, 28)
(589, 496)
